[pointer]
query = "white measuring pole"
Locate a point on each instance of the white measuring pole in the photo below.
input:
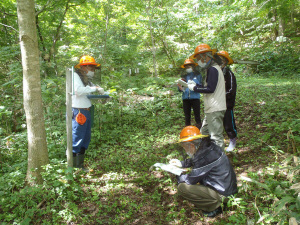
(69, 91)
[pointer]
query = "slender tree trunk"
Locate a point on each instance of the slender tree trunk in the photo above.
(32, 94)
(152, 38)
(107, 9)
(105, 39)
(46, 58)
(52, 49)
(281, 26)
(50, 56)
(275, 26)
(168, 54)
(292, 15)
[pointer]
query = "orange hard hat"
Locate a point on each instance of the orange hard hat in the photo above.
(87, 60)
(190, 133)
(202, 48)
(188, 62)
(226, 55)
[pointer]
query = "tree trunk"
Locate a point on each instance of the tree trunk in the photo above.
(105, 38)
(152, 38)
(275, 24)
(52, 49)
(168, 54)
(292, 14)
(281, 26)
(32, 94)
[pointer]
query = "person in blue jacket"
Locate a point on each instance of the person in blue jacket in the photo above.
(191, 99)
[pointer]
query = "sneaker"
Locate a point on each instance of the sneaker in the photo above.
(231, 145)
(217, 211)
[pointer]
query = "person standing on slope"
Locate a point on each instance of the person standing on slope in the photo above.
(213, 90)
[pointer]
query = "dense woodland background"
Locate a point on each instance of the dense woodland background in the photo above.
(140, 124)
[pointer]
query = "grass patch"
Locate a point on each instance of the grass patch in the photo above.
(139, 126)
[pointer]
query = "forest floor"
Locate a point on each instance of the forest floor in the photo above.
(143, 197)
(140, 126)
(245, 159)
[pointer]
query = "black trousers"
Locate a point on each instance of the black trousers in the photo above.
(188, 104)
(229, 124)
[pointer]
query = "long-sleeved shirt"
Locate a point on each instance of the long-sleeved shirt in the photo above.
(213, 90)
(80, 99)
(230, 85)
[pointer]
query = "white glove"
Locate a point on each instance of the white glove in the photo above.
(191, 86)
(100, 90)
(175, 162)
(191, 82)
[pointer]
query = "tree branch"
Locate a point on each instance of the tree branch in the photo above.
(44, 7)
(9, 27)
(8, 14)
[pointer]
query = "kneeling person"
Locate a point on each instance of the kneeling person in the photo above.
(212, 177)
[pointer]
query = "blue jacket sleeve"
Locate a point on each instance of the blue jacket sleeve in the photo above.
(212, 81)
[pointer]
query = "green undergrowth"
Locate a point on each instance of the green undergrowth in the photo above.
(139, 126)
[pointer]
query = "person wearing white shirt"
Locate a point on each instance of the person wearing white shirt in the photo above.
(81, 106)
(213, 90)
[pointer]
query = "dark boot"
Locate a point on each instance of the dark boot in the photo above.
(74, 160)
(78, 161)
(213, 213)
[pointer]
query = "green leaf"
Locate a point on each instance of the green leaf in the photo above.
(280, 205)
(262, 185)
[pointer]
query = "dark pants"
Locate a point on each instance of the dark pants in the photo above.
(229, 124)
(188, 104)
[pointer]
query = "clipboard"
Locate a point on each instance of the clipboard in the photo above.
(97, 96)
(182, 83)
(170, 168)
